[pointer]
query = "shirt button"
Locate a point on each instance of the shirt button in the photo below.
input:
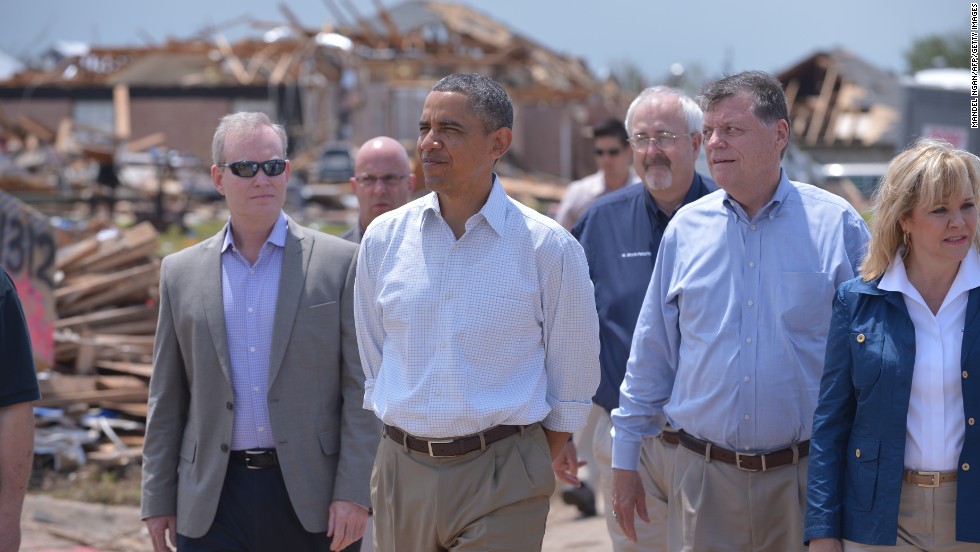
(746, 417)
(966, 467)
(449, 296)
(229, 405)
(251, 349)
(971, 421)
(250, 309)
(751, 264)
(748, 340)
(224, 447)
(256, 389)
(750, 303)
(860, 338)
(857, 453)
(752, 227)
(747, 378)
(261, 429)
(965, 374)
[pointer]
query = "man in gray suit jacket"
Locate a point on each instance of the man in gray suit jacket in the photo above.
(255, 438)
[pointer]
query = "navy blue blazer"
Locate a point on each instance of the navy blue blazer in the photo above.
(857, 451)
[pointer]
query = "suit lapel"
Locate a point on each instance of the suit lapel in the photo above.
(213, 300)
(295, 259)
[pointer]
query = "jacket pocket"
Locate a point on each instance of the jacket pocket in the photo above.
(188, 449)
(866, 358)
(330, 442)
(862, 473)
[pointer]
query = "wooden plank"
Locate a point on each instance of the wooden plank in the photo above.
(120, 107)
(108, 316)
(823, 104)
(32, 126)
(142, 284)
(132, 368)
(130, 239)
(87, 353)
(75, 252)
(94, 284)
(147, 142)
(122, 394)
(142, 327)
(124, 258)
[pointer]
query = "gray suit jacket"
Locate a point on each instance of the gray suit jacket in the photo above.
(325, 440)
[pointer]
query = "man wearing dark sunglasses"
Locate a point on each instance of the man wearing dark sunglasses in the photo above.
(256, 377)
(612, 156)
(382, 181)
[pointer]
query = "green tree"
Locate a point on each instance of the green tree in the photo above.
(931, 51)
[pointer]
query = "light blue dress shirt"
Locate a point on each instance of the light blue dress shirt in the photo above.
(497, 327)
(249, 294)
(730, 341)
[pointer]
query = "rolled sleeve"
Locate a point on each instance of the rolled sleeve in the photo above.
(571, 341)
(651, 367)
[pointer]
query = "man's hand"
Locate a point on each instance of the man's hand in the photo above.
(566, 464)
(556, 440)
(628, 495)
(346, 523)
(825, 545)
(159, 526)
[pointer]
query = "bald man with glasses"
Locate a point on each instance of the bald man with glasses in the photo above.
(382, 181)
(256, 439)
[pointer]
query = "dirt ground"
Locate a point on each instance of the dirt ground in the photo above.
(54, 524)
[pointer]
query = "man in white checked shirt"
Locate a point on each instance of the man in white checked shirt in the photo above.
(478, 334)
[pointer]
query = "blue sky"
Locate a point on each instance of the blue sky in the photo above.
(652, 34)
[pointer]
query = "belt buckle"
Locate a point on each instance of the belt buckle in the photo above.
(438, 442)
(249, 454)
(935, 479)
(738, 461)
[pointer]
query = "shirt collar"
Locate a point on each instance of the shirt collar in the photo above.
(494, 211)
(276, 237)
(771, 209)
(693, 193)
(967, 278)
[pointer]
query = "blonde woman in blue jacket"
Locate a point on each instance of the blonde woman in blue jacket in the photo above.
(895, 452)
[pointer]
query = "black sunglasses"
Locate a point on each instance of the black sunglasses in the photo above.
(248, 169)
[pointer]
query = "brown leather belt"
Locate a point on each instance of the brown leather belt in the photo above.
(669, 436)
(928, 478)
(455, 446)
(748, 462)
(257, 459)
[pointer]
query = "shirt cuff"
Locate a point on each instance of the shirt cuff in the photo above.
(626, 454)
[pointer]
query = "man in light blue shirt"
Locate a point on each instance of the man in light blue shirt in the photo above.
(729, 344)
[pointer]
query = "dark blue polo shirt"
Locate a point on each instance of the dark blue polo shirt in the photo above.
(621, 234)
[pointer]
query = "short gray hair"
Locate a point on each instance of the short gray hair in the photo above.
(239, 124)
(692, 113)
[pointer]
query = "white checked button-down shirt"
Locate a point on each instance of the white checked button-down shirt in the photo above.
(498, 327)
(249, 294)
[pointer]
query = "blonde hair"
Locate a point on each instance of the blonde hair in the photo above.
(927, 173)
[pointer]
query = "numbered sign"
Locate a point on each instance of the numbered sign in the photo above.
(27, 251)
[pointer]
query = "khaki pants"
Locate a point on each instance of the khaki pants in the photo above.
(926, 521)
(491, 500)
(655, 466)
(716, 507)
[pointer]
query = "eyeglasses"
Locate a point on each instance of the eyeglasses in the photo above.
(663, 139)
(248, 169)
(612, 152)
(387, 180)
